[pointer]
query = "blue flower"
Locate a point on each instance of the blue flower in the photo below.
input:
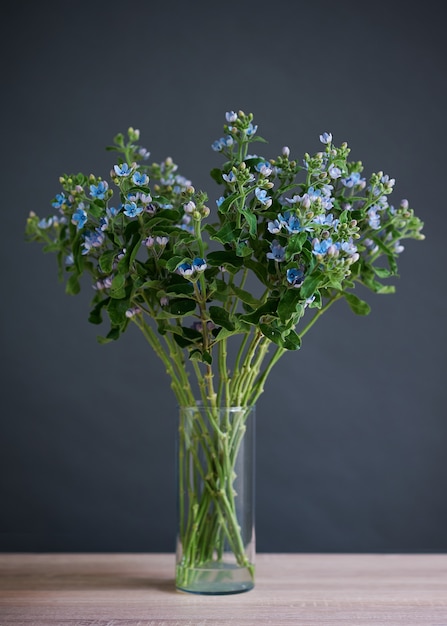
(103, 223)
(295, 276)
(262, 196)
(111, 211)
(132, 311)
(44, 224)
(230, 177)
(264, 168)
(231, 116)
(334, 171)
(352, 180)
(220, 201)
(349, 247)
(131, 209)
(326, 138)
(144, 154)
(321, 247)
(373, 218)
(59, 201)
(274, 227)
(92, 240)
(223, 142)
(291, 222)
(162, 241)
(123, 170)
(277, 253)
(199, 264)
(185, 269)
(140, 179)
(99, 190)
(250, 130)
(327, 220)
(79, 218)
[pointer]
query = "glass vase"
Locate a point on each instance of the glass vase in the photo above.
(216, 539)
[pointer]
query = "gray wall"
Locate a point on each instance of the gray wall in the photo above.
(352, 430)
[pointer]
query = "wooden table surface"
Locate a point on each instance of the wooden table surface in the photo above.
(138, 590)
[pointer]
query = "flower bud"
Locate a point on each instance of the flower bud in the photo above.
(134, 134)
(205, 211)
(286, 151)
(305, 202)
(404, 204)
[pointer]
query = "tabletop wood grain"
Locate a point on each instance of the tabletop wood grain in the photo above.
(302, 589)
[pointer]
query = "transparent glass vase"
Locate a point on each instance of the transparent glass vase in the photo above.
(216, 538)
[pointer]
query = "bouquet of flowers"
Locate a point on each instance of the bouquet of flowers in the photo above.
(285, 240)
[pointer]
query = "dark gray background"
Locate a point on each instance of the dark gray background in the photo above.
(352, 430)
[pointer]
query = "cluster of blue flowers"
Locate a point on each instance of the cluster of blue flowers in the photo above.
(301, 239)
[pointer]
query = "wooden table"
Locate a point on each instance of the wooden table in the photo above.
(138, 590)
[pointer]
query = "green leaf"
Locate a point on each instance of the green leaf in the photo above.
(227, 234)
(258, 269)
(182, 341)
(271, 333)
(292, 341)
(73, 287)
(268, 308)
(243, 249)
(130, 230)
(179, 307)
(112, 335)
(119, 140)
(360, 307)
(191, 333)
(95, 316)
(216, 174)
(289, 304)
(207, 358)
(117, 288)
(174, 262)
(96, 208)
(106, 261)
(382, 272)
(251, 221)
(258, 138)
(226, 204)
(197, 355)
(221, 317)
(311, 283)
(295, 244)
(224, 257)
(245, 296)
(181, 289)
(117, 311)
(368, 280)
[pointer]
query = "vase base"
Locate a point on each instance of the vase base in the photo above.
(214, 579)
